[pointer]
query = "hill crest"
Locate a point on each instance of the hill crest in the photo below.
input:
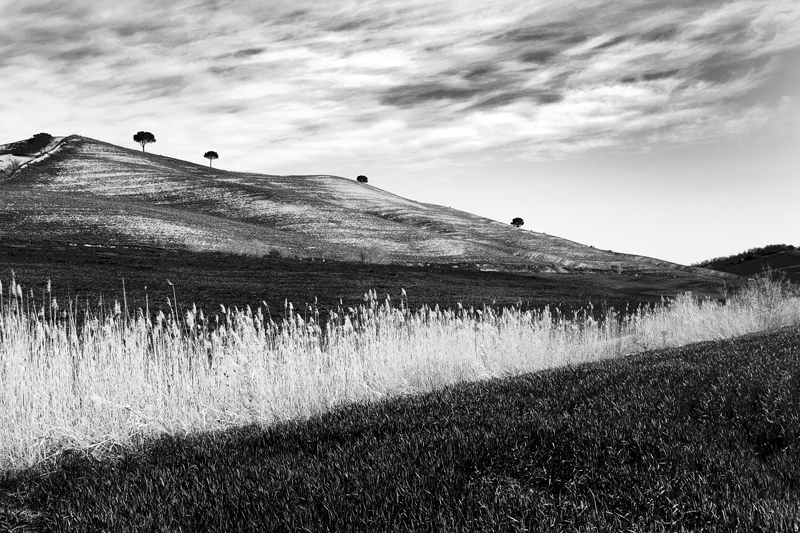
(88, 190)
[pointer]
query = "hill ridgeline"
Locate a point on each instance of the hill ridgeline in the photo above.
(84, 191)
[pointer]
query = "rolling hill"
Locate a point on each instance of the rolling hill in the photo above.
(781, 259)
(81, 190)
(787, 262)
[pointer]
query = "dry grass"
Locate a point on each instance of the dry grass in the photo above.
(96, 378)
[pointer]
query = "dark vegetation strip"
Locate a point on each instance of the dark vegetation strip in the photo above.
(701, 438)
(780, 266)
(29, 147)
(211, 279)
(720, 263)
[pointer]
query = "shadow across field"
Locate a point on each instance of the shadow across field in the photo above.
(210, 279)
(699, 438)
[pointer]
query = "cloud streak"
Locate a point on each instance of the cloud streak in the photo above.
(432, 79)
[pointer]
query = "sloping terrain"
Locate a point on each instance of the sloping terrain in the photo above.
(786, 262)
(782, 259)
(15, 155)
(88, 191)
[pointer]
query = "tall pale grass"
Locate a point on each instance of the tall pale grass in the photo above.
(96, 379)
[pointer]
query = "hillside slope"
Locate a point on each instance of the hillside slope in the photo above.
(782, 259)
(786, 262)
(91, 191)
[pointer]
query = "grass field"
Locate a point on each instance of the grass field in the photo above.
(210, 279)
(87, 378)
(113, 421)
(511, 403)
(700, 438)
(782, 259)
(785, 262)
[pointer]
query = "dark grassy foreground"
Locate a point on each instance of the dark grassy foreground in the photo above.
(702, 438)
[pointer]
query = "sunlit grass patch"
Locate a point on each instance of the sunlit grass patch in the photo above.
(92, 378)
(698, 438)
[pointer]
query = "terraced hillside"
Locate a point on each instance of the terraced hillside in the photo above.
(88, 191)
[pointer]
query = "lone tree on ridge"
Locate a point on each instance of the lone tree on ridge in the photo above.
(362, 179)
(144, 137)
(211, 155)
(517, 222)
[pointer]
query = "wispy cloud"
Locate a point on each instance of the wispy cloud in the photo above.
(313, 79)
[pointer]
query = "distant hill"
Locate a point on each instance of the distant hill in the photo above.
(14, 156)
(29, 147)
(777, 257)
(81, 190)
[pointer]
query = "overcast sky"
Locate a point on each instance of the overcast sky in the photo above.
(664, 128)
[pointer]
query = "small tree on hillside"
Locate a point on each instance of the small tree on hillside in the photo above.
(362, 179)
(144, 137)
(211, 155)
(517, 222)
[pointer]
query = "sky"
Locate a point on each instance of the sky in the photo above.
(666, 129)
